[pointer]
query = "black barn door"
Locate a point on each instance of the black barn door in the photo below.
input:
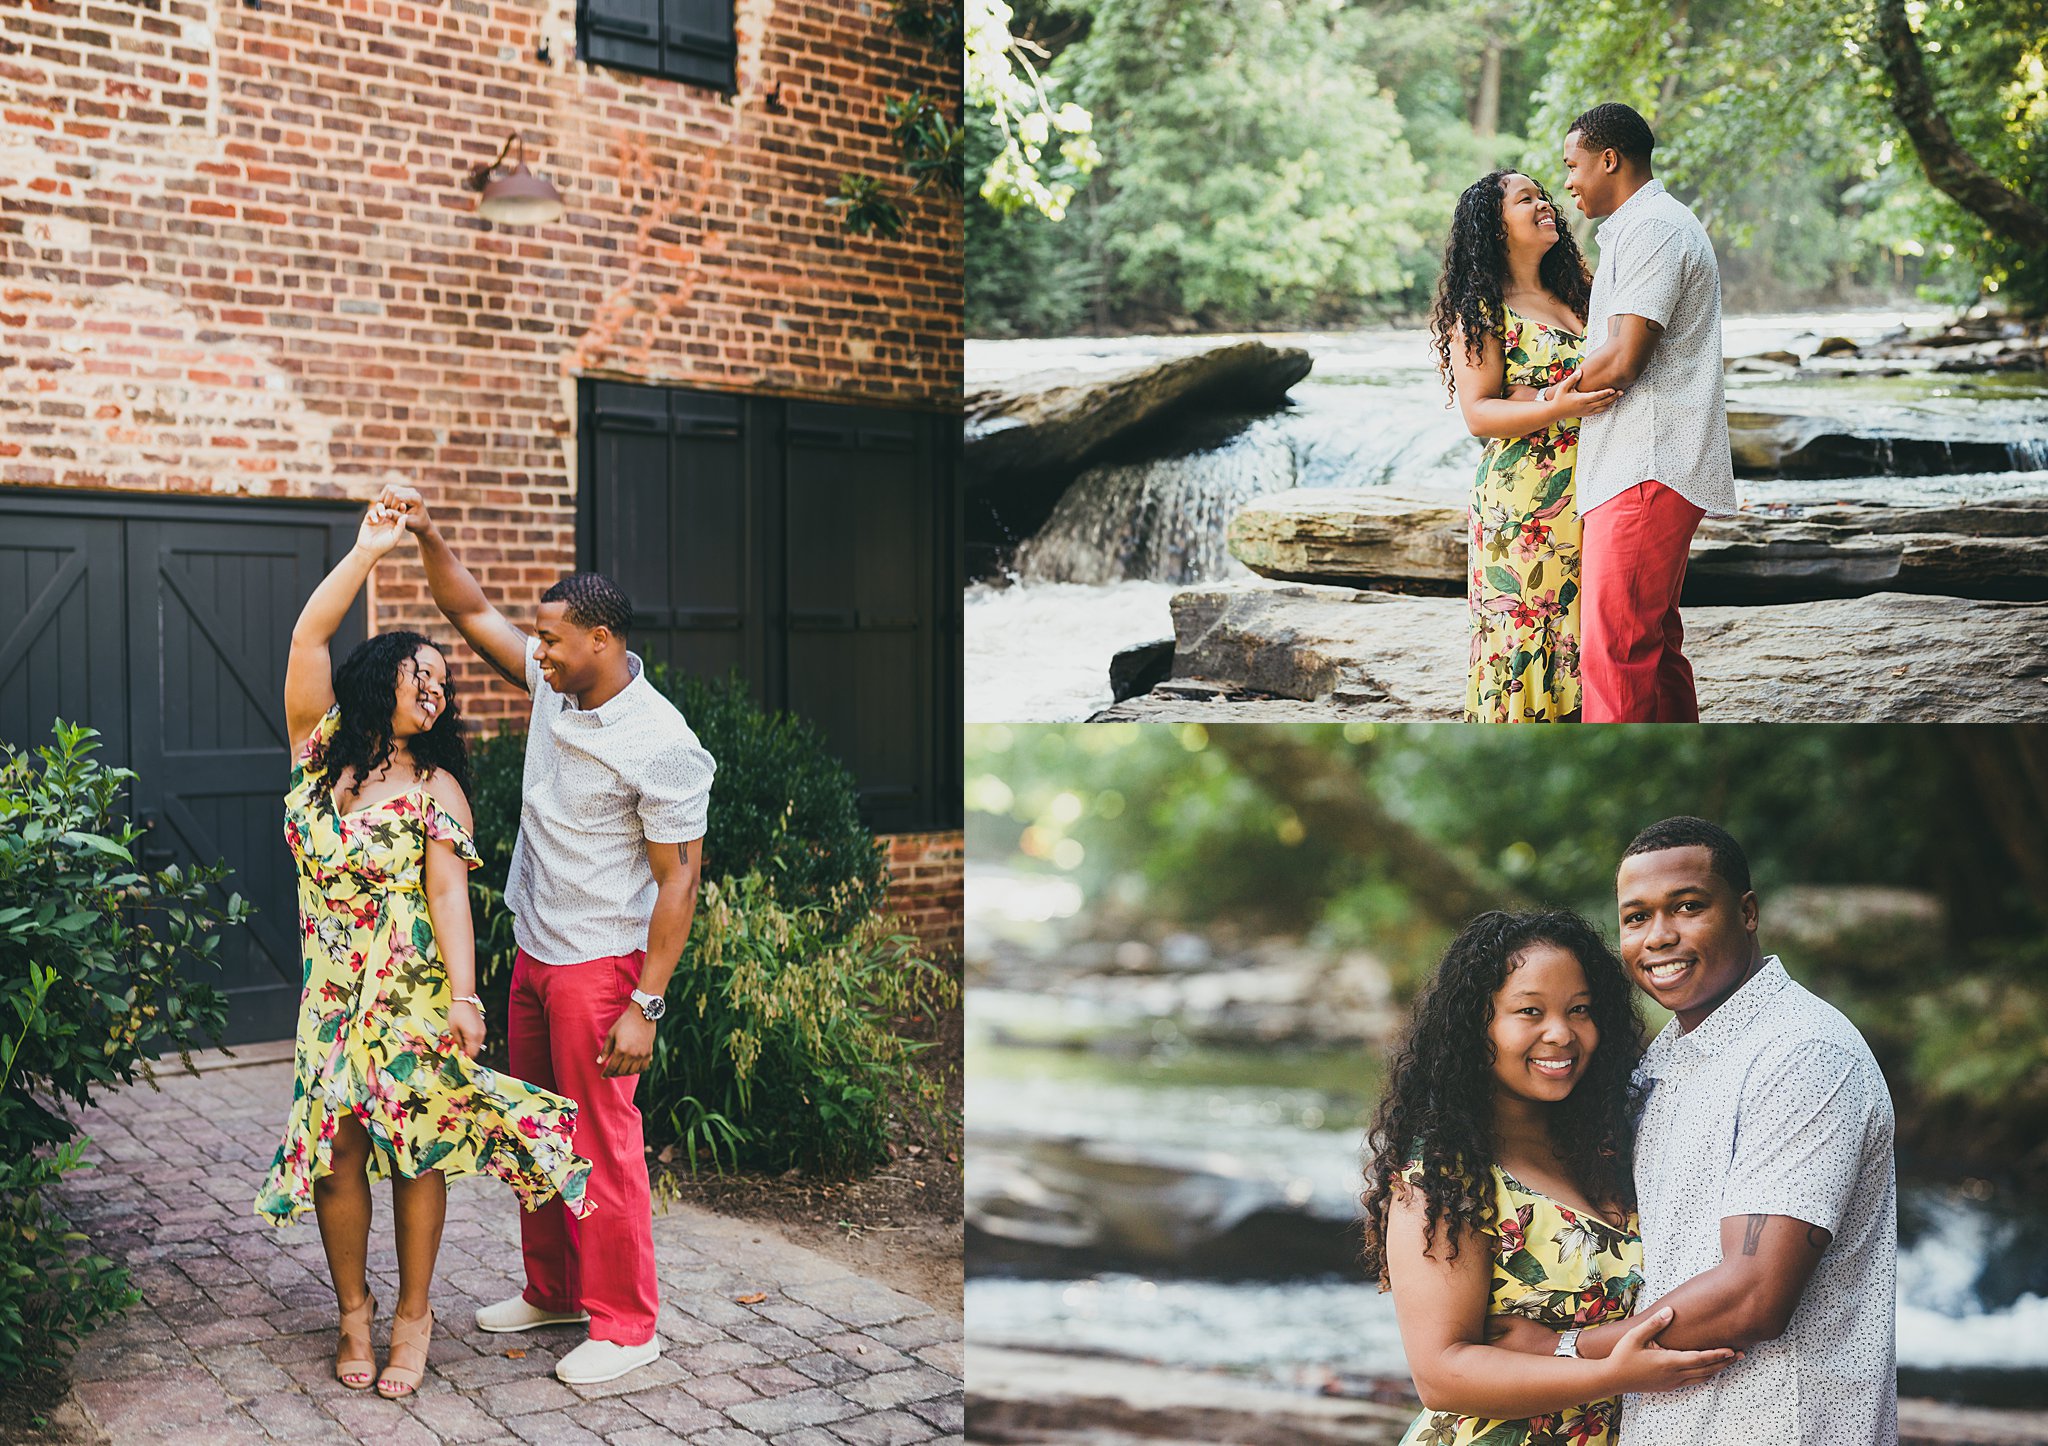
(171, 640)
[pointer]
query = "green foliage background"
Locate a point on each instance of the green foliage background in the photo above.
(1295, 162)
(1164, 825)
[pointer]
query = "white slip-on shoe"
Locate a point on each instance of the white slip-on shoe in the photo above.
(595, 1361)
(516, 1315)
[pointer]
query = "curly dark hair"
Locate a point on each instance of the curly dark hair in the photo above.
(1612, 126)
(366, 687)
(1729, 861)
(1475, 272)
(594, 600)
(1438, 1106)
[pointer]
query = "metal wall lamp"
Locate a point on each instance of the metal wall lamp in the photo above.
(518, 197)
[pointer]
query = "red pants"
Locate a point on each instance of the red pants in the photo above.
(603, 1264)
(1632, 566)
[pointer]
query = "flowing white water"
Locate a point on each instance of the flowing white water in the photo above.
(1371, 414)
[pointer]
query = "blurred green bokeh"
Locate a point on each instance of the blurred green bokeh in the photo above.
(1908, 865)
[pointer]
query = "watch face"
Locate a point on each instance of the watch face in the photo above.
(654, 1008)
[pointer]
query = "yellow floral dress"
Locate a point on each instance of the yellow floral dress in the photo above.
(1522, 585)
(1560, 1268)
(373, 1035)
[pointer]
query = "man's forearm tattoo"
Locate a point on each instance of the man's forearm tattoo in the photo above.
(1753, 1234)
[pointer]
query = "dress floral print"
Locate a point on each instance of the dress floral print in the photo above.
(1522, 586)
(1560, 1268)
(373, 1035)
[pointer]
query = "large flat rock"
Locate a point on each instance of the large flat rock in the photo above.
(1368, 537)
(1035, 424)
(1786, 443)
(1334, 652)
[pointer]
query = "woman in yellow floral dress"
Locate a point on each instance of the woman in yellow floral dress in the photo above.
(1501, 1186)
(389, 1023)
(1509, 323)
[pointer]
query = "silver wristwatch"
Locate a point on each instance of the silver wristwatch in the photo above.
(1568, 1344)
(651, 1005)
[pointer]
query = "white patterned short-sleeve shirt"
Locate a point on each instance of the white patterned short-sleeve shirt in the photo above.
(1773, 1105)
(1672, 425)
(600, 785)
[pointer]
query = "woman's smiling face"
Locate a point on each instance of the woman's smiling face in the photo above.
(1530, 219)
(421, 693)
(1542, 1030)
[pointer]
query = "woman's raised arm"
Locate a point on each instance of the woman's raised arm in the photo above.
(308, 671)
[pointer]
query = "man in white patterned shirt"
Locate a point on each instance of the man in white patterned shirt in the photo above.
(602, 888)
(1651, 466)
(1763, 1170)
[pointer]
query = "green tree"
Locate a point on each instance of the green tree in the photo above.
(1926, 120)
(1255, 171)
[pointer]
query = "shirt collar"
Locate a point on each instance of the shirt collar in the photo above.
(1725, 1025)
(1651, 187)
(619, 704)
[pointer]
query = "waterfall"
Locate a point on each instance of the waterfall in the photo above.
(1161, 520)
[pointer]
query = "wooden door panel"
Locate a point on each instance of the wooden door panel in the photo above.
(61, 622)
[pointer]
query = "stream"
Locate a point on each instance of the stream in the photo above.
(1099, 574)
(1163, 1181)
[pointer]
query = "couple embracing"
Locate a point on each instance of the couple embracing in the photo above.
(1707, 1227)
(1607, 434)
(602, 888)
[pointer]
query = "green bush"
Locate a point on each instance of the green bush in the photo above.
(777, 1050)
(89, 952)
(782, 804)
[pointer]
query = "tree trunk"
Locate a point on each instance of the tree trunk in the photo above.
(1950, 168)
(2009, 770)
(1328, 793)
(1674, 57)
(1486, 105)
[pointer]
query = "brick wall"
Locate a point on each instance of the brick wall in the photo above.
(929, 892)
(236, 256)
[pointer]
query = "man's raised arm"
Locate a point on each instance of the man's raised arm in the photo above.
(456, 593)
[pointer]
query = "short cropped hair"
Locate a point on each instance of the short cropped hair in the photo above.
(594, 600)
(1612, 126)
(1726, 854)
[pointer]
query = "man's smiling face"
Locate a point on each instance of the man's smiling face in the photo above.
(1688, 939)
(1586, 177)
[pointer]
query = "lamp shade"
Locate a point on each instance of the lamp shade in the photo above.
(520, 198)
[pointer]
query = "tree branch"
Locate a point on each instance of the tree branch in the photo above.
(1328, 793)
(1950, 168)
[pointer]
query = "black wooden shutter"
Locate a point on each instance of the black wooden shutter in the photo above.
(686, 40)
(697, 42)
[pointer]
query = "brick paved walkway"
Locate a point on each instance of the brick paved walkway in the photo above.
(234, 1339)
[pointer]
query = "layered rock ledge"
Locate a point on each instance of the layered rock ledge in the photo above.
(1260, 651)
(1370, 538)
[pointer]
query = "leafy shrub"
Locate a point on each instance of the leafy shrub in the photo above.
(782, 805)
(90, 947)
(777, 1050)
